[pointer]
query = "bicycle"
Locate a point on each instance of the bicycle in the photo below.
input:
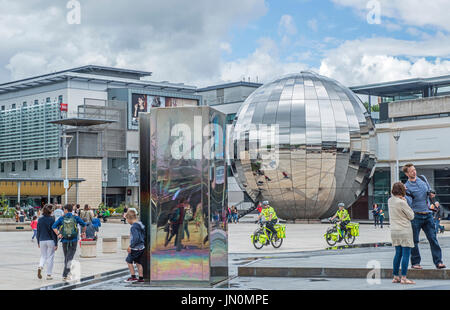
(334, 234)
(261, 236)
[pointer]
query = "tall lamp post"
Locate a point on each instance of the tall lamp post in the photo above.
(67, 141)
(396, 135)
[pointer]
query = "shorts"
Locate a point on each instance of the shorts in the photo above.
(135, 257)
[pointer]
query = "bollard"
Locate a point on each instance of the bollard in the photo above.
(125, 242)
(88, 248)
(109, 245)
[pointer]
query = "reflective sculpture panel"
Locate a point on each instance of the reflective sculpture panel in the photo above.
(184, 194)
(320, 150)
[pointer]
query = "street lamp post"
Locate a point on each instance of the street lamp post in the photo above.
(66, 179)
(397, 133)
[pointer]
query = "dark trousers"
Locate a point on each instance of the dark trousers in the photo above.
(381, 221)
(376, 220)
(270, 226)
(69, 249)
(426, 223)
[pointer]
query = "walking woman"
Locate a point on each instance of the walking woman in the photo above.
(47, 241)
(375, 214)
(401, 215)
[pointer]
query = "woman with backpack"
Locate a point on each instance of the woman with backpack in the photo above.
(187, 217)
(47, 241)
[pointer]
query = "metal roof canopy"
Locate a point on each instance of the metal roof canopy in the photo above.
(40, 180)
(388, 88)
(82, 122)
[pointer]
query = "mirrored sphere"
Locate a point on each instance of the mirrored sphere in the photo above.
(323, 152)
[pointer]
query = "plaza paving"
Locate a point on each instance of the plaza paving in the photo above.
(19, 256)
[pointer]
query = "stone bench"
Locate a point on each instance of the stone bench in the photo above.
(10, 227)
(88, 249)
(125, 242)
(109, 245)
(446, 224)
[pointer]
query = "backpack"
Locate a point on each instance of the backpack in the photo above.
(188, 215)
(69, 228)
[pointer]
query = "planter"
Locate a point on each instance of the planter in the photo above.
(88, 249)
(109, 245)
(125, 242)
(7, 220)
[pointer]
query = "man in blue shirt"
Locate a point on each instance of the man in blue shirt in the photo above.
(66, 228)
(418, 199)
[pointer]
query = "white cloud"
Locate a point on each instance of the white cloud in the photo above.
(287, 26)
(180, 41)
(385, 59)
(264, 63)
(410, 12)
(312, 24)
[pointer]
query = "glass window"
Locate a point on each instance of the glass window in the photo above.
(36, 165)
(2, 167)
(60, 163)
(48, 100)
(114, 163)
(13, 106)
(13, 167)
(24, 166)
(36, 102)
(47, 164)
(24, 104)
(60, 99)
(442, 188)
(3, 108)
(382, 189)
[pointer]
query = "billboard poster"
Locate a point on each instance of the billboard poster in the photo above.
(143, 103)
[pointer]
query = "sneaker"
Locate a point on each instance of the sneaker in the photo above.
(139, 281)
(131, 279)
(49, 278)
(39, 273)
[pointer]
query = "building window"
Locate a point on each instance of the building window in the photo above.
(47, 164)
(36, 102)
(13, 167)
(47, 100)
(442, 187)
(3, 108)
(59, 163)
(381, 189)
(114, 163)
(24, 104)
(24, 166)
(36, 165)
(13, 106)
(2, 167)
(60, 99)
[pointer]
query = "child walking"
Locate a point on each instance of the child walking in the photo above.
(33, 225)
(136, 248)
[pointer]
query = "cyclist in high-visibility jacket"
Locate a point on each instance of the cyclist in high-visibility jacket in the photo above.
(270, 216)
(343, 217)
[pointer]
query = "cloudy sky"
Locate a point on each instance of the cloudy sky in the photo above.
(204, 42)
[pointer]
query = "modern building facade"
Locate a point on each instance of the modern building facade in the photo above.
(98, 108)
(228, 98)
(417, 113)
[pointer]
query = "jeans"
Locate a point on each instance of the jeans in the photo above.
(47, 255)
(426, 223)
(376, 220)
(402, 255)
(69, 249)
(34, 233)
(437, 223)
(381, 221)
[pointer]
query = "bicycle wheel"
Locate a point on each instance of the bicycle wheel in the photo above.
(349, 238)
(329, 238)
(256, 241)
(276, 242)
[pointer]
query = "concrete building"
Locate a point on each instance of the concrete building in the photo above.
(98, 107)
(417, 112)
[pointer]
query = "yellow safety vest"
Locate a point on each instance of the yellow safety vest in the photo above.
(343, 215)
(267, 212)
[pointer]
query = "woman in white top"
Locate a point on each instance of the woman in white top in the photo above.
(400, 216)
